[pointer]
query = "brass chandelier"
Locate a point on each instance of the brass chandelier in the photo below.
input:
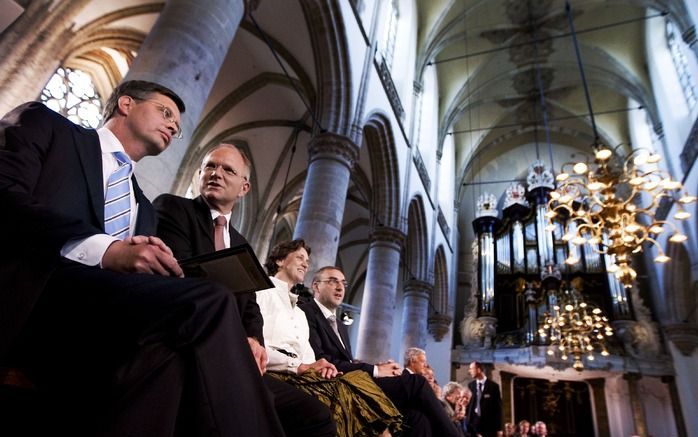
(613, 207)
(575, 329)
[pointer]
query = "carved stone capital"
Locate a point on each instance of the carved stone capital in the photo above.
(438, 325)
(684, 336)
(418, 287)
(335, 147)
(389, 235)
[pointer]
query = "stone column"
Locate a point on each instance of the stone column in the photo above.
(319, 223)
(670, 381)
(682, 340)
(636, 404)
(415, 310)
(184, 51)
(33, 47)
(598, 393)
(378, 304)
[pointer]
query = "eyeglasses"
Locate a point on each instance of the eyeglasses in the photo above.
(166, 114)
(334, 282)
(230, 171)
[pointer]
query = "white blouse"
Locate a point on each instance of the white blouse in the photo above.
(285, 329)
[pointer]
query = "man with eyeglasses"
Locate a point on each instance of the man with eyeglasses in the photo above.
(93, 306)
(198, 226)
(411, 394)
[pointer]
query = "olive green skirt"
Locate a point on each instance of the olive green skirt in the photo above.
(359, 407)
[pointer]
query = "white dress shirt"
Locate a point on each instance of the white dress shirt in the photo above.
(285, 328)
(90, 250)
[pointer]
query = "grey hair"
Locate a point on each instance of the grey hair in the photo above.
(452, 386)
(412, 353)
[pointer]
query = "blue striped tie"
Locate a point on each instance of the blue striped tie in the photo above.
(117, 199)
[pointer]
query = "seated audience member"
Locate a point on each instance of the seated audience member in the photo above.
(359, 407)
(412, 395)
(541, 429)
(201, 225)
(524, 429)
(509, 430)
(455, 402)
(415, 361)
(92, 305)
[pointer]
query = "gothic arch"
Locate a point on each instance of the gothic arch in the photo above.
(416, 247)
(334, 82)
(385, 175)
(440, 297)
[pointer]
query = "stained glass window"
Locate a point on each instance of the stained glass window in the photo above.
(72, 94)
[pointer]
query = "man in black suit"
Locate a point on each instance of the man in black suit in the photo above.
(485, 407)
(411, 394)
(188, 227)
(98, 315)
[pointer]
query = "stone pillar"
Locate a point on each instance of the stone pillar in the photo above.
(682, 342)
(598, 392)
(331, 157)
(33, 47)
(670, 381)
(184, 51)
(378, 304)
(636, 404)
(415, 310)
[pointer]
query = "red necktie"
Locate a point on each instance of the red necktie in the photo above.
(218, 232)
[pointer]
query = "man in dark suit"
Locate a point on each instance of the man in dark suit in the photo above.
(97, 313)
(485, 407)
(189, 227)
(329, 339)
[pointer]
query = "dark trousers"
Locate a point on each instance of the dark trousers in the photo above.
(301, 414)
(424, 414)
(144, 355)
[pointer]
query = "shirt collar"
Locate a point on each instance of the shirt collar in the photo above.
(282, 285)
(325, 311)
(215, 214)
(110, 143)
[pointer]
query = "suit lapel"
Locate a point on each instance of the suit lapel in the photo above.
(330, 332)
(90, 153)
(203, 218)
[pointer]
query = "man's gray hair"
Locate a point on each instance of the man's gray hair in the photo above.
(452, 386)
(412, 353)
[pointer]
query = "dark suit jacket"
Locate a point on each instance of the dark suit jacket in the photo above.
(51, 192)
(325, 343)
(186, 226)
(490, 420)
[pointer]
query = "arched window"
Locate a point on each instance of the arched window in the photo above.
(391, 33)
(681, 64)
(72, 94)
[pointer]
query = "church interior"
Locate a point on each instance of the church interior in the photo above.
(511, 182)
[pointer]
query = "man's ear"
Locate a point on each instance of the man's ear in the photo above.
(124, 104)
(244, 190)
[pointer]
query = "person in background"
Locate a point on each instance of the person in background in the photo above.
(485, 409)
(198, 226)
(411, 394)
(541, 429)
(359, 407)
(524, 429)
(92, 304)
(415, 361)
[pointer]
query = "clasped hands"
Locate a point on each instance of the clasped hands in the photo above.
(326, 369)
(388, 368)
(141, 254)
